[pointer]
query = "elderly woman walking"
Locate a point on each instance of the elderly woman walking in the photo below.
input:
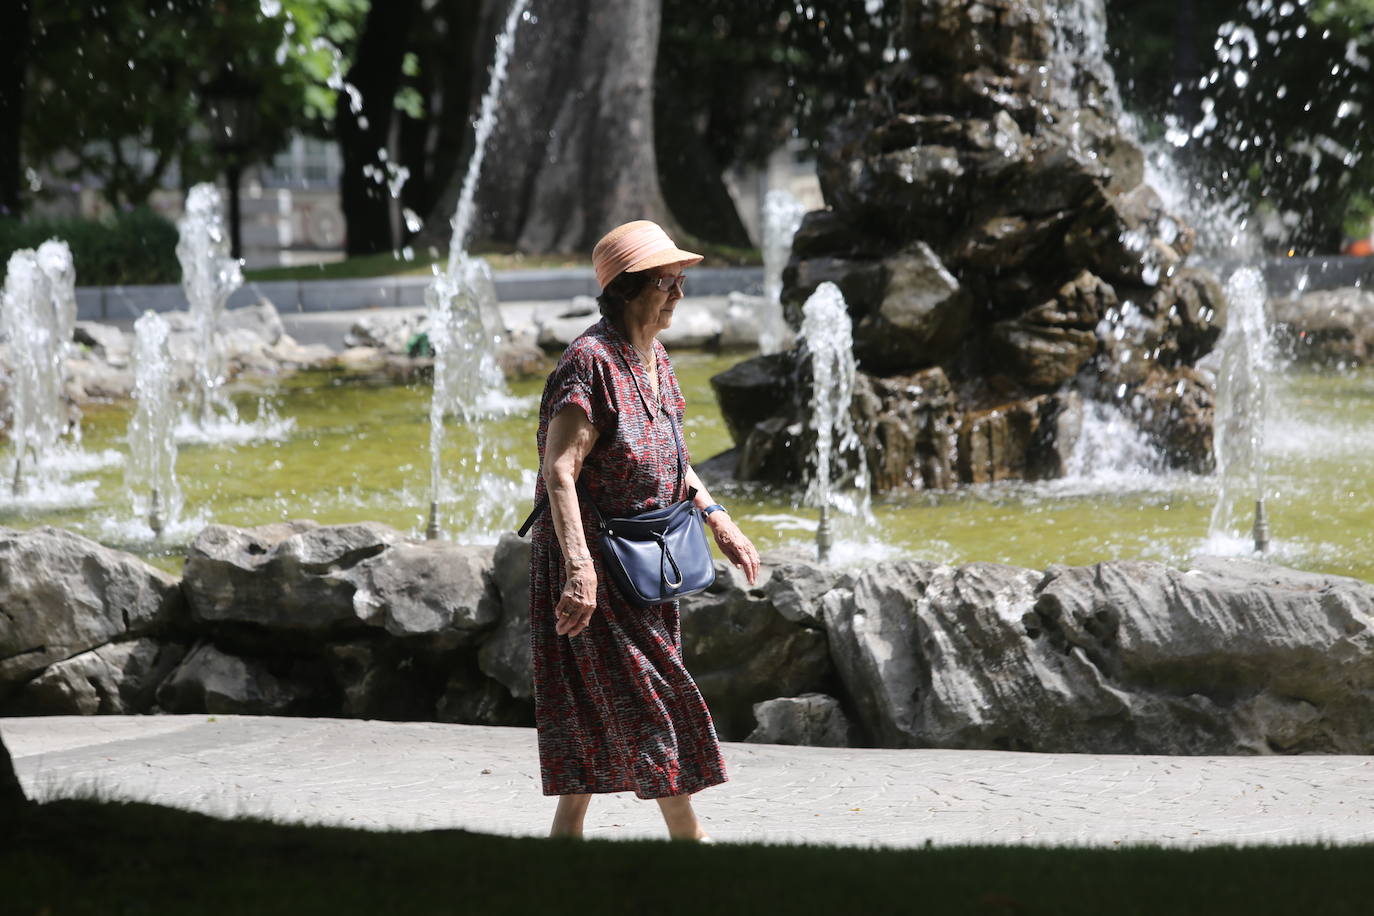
(615, 707)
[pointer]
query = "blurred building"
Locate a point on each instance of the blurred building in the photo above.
(290, 205)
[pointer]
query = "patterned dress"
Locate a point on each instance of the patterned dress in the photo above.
(615, 707)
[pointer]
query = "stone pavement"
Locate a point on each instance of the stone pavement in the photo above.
(419, 776)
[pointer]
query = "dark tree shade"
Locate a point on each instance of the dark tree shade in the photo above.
(1279, 95)
(11, 793)
(15, 18)
(736, 77)
(376, 73)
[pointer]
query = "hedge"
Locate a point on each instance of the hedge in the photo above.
(137, 246)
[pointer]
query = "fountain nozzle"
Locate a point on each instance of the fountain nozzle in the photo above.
(155, 513)
(823, 540)
(432, 529)
(1261, 527)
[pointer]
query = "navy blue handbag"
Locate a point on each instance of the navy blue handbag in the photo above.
(659, 555)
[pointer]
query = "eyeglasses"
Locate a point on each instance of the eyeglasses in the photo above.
(666, 283)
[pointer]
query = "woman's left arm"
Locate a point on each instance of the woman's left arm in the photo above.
(737, 548)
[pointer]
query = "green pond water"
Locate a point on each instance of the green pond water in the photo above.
(359, 450)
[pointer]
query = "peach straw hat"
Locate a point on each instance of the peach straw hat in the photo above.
(636, 246)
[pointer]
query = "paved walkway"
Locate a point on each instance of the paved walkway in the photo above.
(417, 776)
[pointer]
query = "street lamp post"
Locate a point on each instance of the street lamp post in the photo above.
(231, 104)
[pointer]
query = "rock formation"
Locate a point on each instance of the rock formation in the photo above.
(1327, 327)
(1229, 657)
(1000, 258)
(1232, 656)
(254, 341)
(62, 595)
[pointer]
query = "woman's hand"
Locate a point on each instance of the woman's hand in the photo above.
(737, 548)
(578, 601)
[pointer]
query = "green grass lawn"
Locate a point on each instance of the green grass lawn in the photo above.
(73, 857)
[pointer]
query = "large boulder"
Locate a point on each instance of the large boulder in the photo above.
(922, 316)
(753, 391)
(1328, 327)
(306, 579)
(119, 678)
(62, 594)
(741, 650)
(1030, 439)
(909, 312)
(1232, 655)
(210, 680)
(1174, 409)
(1122, 657)
(811, 719)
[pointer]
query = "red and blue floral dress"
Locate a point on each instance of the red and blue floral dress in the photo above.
(615, 706)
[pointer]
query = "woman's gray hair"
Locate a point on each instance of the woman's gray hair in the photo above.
(619, 292)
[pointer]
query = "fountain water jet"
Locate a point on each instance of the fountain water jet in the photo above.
(463, 317)
(1241, 384)
(151, 472)
(38, 314)
(208, 276)
(782, 216)
(827, 351)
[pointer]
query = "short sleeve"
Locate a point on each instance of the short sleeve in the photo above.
(581, 379)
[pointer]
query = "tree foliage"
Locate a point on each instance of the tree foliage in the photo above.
(1266, 102)
(114, 89)
(736, 78)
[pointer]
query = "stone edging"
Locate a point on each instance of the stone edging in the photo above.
(1229, 657)
(105, 303)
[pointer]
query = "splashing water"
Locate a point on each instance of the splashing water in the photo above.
(208, 277)
(827, 345)
(782, 217)
(150, 475)
(486, 123)
(465, 330)
(55, 263)
(1241, 385)
(1111, 455)
(37, 316)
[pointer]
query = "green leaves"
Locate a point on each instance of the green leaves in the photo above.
(114, 90)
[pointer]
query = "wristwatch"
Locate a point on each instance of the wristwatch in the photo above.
(714, 507)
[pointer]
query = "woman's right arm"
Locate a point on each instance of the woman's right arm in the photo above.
(570, 439)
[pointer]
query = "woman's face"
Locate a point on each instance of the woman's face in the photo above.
(653, 308)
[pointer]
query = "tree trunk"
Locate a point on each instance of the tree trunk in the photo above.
(572, 155)
(15, 18)
(11, 792)
(376, 73)
(693, 180)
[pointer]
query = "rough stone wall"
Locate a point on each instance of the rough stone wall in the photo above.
(986, 220)
(354, 620)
